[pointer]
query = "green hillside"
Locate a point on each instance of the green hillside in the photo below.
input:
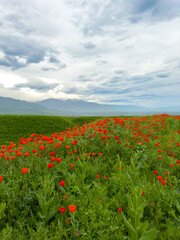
(13, 127)
(82, 120)
(89, 119)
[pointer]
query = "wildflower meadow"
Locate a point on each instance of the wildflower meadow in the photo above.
(116, 178)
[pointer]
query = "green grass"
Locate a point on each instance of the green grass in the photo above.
(13, 127)
(82, 120)
(90, 119)
(121, 174)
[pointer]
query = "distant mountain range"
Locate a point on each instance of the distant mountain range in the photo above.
(75, 108)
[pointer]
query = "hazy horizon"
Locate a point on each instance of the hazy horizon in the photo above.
(107, 52)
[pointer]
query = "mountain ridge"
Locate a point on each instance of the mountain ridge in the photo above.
(76, 107)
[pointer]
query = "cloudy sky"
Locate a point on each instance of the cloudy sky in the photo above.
(105, 51)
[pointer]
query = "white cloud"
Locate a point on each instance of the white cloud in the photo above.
(9, 79)
(58, 41)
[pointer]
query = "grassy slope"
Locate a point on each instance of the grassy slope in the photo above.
(13, 127)
(82, 120)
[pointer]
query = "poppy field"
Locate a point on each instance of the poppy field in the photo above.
(117, 178)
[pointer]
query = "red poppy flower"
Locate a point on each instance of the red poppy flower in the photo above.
(50, 165)
(120, 210)
(163, 182)
(66, 197)
(59, 159)
(53, 159)
(143, 192)
(61, 183)
(18, 154)
(72, 208)
(97, 176)
(62, 209)
(26, 154)
(24, 170)
(159, 177)
(155, 172)
(1, 178)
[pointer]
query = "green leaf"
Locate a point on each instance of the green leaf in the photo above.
(40, 215)
(6, 233)
(2, 209)
(143, 227)
(150, 235)
(95, 184)
(129, 177)
(130, 227)
(144, 157)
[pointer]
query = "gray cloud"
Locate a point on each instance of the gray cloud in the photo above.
(61, 65)
(73, 90)
(100, 62)
(162, 75)
(37, 85)
(153, 10)
(9, 61)
(89, 45)
(83, 78)
(53, 60)
(141, 6)
(23, 47)
(46, 69)
(115, 13)
(119, 72)
(147, 87)
(20, 41)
